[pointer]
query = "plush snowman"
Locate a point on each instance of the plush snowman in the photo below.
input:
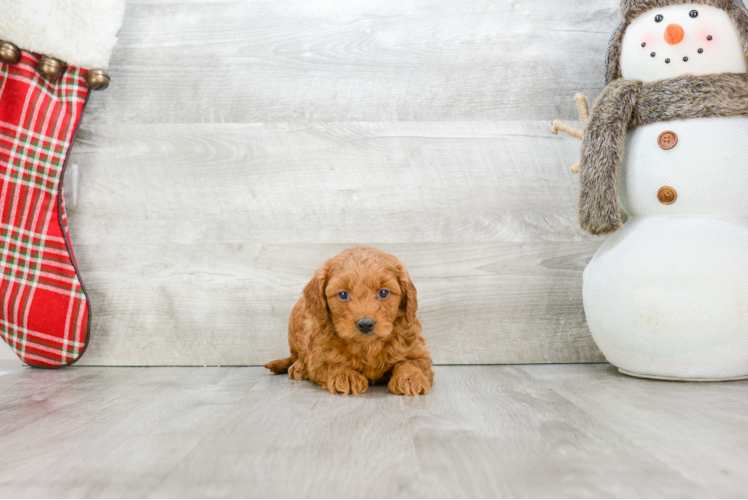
(666, 295)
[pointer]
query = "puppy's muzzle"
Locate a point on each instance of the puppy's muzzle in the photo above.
(365, 325)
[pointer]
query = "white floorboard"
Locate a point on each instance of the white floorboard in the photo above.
(484, 431)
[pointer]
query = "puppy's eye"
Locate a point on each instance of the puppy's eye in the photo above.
(658, 18)
(383, 294)
(694, 13)
(343, 295)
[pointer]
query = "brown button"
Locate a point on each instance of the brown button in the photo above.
(667, 140)
(667, 195)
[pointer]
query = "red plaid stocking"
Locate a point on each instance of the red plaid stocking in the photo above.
(44, 311)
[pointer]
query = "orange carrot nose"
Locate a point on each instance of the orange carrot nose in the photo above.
(674, 34)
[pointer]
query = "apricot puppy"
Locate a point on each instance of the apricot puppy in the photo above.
(356, 324)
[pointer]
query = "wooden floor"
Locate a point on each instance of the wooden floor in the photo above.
(519, 431)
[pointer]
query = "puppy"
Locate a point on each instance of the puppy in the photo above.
(357, 324)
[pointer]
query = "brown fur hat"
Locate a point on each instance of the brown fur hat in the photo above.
(631, 9)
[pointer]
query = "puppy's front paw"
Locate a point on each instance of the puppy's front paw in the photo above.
(347, 382)
(409, 383)
(298, 371)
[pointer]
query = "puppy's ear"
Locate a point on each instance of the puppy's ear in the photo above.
(409, 300)
(314, 293)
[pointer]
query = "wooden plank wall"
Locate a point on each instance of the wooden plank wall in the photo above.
(244, 142)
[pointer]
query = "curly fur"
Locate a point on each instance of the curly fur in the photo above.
(631, 9)
(327, 347)
(631, 103)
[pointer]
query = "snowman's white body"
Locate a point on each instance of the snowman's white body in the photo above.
(667, 295)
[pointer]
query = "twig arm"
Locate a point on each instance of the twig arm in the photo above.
(584, 109)
(559, 125)
(562, 126)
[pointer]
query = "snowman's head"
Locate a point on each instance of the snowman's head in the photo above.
(661, 39)
(681, 39)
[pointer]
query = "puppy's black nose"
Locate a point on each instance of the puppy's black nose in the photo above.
(365, 325)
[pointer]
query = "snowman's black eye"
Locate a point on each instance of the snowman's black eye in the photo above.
(694, 13)
(658, 18)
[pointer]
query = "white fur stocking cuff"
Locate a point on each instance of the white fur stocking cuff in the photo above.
(81, 33)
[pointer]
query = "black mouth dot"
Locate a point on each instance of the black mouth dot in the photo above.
(709, 38)
(685, 59)
(701, 51)
(667, 61)
(644, 44)
(652, 54)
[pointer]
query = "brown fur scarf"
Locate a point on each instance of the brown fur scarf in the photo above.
(626, 104)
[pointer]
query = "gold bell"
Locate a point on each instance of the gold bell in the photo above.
(97, 79)
(9, 53)
(51, 68)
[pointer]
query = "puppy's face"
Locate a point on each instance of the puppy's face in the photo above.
(363, 294)
(364, 297)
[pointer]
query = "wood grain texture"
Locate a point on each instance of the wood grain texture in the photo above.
(334, 60)
(107, 432)
(195, 241)
(242, 143)
(666, 418)
(525, 440)
(484, 431)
